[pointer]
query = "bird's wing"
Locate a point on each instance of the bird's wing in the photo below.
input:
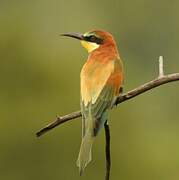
(100, 83)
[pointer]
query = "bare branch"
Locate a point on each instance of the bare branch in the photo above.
(123, 97)
(162, 79)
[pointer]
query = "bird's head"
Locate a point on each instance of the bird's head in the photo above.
(93, 39)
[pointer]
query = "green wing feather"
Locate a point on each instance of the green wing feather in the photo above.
(102, 104)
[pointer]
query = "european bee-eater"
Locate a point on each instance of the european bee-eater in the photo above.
(101, 80)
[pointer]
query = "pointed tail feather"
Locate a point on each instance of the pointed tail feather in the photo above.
(85, 152)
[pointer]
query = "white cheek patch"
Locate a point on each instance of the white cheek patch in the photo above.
(90, 46)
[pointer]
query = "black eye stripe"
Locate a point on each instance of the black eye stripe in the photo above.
(93, 38)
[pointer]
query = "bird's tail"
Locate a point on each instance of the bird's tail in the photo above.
(84, 156)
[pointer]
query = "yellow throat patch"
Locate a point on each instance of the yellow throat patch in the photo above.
(90, 46)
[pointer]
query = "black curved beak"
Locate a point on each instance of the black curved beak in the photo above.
(78, 36)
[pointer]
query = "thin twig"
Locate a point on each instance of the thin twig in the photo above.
(107, 150)
(161, 71)
(123, 97)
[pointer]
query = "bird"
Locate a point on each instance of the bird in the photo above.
(102, 79)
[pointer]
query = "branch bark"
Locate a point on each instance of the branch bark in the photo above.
(123, 97)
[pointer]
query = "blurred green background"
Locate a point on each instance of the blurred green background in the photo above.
(39, 75)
